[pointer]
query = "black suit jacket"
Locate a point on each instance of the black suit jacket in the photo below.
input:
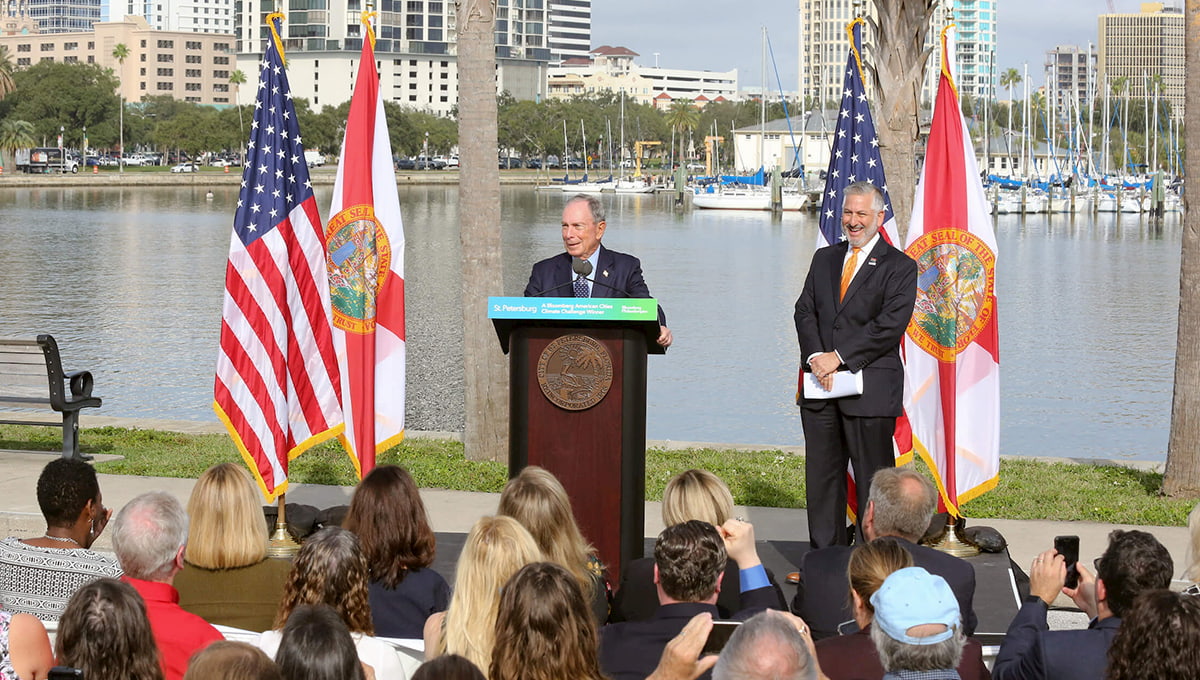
(617, 275)
(1031, 651)
(637, 599)
(823, 596)
(865, 328)
(632, 650)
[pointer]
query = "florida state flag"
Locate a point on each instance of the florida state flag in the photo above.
(952, 350)
(365, 255)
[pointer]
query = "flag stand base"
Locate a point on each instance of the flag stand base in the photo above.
(953, 540)
(281, 543)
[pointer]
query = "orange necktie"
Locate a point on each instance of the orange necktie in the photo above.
(848, 272)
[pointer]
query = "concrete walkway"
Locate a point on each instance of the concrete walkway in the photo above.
(457, 511)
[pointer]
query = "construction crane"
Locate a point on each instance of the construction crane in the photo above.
(637, 155)
(709, 152)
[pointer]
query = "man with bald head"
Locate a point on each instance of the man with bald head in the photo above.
(587, 268)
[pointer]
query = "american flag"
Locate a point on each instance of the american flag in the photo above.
(277, 384)
(855, 154)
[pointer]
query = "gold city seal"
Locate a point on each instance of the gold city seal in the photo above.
(575, 372)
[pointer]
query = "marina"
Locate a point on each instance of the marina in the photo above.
(129, 280)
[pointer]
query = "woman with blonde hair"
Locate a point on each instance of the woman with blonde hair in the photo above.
(537, 500)
(690, 495)
(543, 630)
(227, 577)
(696, 494)
(494, 550)
(852, 656)
(390, 521)
(331, 569)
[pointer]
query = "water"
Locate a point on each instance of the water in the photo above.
(130, 283)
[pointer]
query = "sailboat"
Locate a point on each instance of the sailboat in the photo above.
(585, 186)
(635, 184)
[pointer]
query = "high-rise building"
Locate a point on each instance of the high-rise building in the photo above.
(1071, 70)
(55, 16)
(197, 16)
(1139, 52)
(825, 44)
(415, 49)
(570, 28)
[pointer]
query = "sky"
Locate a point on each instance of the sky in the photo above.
(719, 35)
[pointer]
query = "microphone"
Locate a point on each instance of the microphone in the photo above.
(580, 267)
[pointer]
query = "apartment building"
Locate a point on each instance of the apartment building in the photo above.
(1142, 51)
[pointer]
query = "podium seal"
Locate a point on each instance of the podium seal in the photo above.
(575, 372)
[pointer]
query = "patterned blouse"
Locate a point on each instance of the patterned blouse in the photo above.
(39, 581)
(6, 668)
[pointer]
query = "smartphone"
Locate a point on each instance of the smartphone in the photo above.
(1068, 547)
(718, 636)
(65, 673)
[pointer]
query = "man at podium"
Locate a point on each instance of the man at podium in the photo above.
(587, 268)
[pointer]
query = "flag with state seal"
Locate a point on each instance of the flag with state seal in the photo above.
(365, 257)
(277, 382)
(952, 348)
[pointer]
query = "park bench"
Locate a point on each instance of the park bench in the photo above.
(26, 366)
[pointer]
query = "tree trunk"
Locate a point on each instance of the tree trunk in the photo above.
(1183, 448)
(484, 369)
(897, 63)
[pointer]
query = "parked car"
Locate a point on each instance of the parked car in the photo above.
(510, 162)
(533, 164)
(219, 163)
(553, 162)
(575, 164)
(405, 163)
(185, 167)
(453, 163)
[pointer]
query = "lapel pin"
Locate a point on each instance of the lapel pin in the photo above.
(605, 273)
(871, 262)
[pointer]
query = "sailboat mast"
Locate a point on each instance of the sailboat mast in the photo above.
(1107, 128)
(762, 106)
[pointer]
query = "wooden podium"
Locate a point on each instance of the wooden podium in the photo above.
(577, 371)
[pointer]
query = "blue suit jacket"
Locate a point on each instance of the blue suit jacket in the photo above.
(1031, 651)
(617, 276)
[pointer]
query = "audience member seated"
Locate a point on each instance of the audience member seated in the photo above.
(390, 521)
(900, 505)
(1159, 639)
(227, 577)
(767, 645)
(150, 536)
(24, 647)
(694, 494)
(316, 645)
(537, 500)
(544, 628)
(495, 549)
(689, 563)
(917, 627)
(38, 575)
(448, 667)
(228, 660)
(853, 656)
(330, 569)
(1134, 563)
(105, 633)
(1192, 573)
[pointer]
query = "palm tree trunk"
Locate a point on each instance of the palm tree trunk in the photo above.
(898, 64)
(484, 371)
(1182, 476)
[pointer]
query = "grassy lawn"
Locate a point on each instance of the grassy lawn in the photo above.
(1027, 489)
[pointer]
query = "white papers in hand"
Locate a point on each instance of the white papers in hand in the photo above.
(845, 384)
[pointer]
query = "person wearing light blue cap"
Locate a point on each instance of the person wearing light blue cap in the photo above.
(917, 628)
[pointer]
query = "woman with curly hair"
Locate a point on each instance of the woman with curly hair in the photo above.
(390, 521)
(331, 570)
(105, 633)
(537, 500)
(494, 550)
(1159, 639)
(227, 577)
(543, 629)
(851, 656)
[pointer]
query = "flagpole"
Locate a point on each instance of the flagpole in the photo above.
(281, 543)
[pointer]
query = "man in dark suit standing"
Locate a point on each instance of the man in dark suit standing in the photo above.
(899, 508)
(606, 273)
(851, 316)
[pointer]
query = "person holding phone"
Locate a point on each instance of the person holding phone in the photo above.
(1134, 563)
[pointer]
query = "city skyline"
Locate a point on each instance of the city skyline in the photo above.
(705, 35)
